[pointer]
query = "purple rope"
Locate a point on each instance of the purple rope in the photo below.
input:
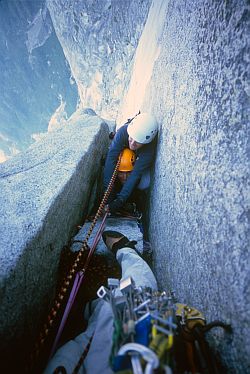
(77, 283)
(73, 293)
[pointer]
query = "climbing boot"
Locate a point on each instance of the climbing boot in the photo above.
(115, 240)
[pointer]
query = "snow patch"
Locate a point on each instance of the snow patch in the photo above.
(3, 156)
(10, 148)
(59, 118)
(38, 136)
(13, 150)
(72, 80)
(93, 93)
(84, 18)
(39, 30)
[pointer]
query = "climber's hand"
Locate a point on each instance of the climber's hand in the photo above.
(115, 205)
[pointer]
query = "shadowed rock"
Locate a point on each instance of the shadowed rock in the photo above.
(45, 193)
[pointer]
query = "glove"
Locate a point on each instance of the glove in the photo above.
(115, 205)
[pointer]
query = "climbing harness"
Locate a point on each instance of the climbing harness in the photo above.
(67, 281)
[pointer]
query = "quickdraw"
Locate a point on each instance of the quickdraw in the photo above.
(66, 283)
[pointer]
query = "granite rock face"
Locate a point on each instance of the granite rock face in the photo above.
(127, 227)
(99, 39)
(45, 194)
(35, 76)
(200, 197)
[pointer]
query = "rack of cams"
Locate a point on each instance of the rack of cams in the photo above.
(144, 325)
(153, 330)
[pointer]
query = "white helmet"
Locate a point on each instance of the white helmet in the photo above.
(143, 128)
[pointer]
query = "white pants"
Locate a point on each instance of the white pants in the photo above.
(101, 324)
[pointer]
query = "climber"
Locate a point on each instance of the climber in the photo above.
(139, 136)
(98, 335)
(113, 321)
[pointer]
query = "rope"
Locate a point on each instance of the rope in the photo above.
(83, 355)
(58, 300)
(77, 283)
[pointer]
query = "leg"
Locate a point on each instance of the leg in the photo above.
(69, 354)
(131, 262)
(97, 360)
(133, 265)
